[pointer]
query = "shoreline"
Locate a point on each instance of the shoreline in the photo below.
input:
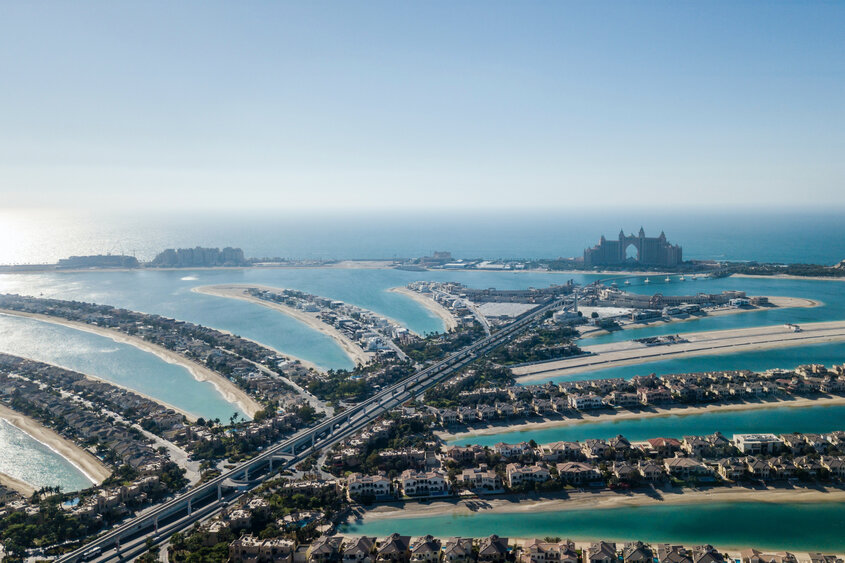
(231, 392)
(21, 487)
(234, 291)
(370, 264)
(657, 412)
(441, 312)
(513, 504)
(789, 277)
(191, 417)
(93, 469)
(778, 302)
(706, 343)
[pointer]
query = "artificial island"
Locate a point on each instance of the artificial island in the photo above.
(421, 427)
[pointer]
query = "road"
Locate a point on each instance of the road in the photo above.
(697, 344)
(158, 523)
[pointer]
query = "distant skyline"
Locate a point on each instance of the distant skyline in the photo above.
(436, 105)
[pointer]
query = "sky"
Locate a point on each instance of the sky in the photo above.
(437, 104)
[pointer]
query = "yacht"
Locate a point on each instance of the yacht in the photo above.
(682, 278)
(667, 280)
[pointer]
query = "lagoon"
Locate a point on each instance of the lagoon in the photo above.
(801, 527)
(25, 458)
(778, 420)
(112, 361)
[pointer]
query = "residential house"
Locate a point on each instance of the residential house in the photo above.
(520, 474)
(493, 549)
(601, 552)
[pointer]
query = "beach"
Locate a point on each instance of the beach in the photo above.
(25, 489)
(449, 320)
(226, 388)
(576, 500)
(697, 344)
(350, 348)
(789, 277)
(93, 468)
(776, 301)
(607, 415)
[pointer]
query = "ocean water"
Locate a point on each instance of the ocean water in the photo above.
(32, 237)
(797, 527)
(25, 458)
(37, 236)
(778, 420)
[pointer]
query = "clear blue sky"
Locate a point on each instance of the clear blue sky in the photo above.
(432, 104)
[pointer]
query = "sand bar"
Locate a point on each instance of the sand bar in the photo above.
(698, 344)
(514, 504)
(226, 388)
(608, 415)
(83, 460)
(449, 320)
(350, 348)
(778, 302)
(789, 277)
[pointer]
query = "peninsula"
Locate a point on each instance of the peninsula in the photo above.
(601, 356)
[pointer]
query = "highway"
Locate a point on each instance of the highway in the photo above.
(128, 540)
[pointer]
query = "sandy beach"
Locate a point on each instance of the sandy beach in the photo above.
(607, 415)
(226, 388)
(350, 348)
(778, 302)
(186, 414)
(698, 344)
(602, 499)
(449, 320)
(788, 277)
(25, 489)
(83, 460)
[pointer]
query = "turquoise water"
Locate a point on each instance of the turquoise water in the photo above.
(777, 235)
(828, 354)
(778, 420)
(169, 293)
(112, 361)
(799, 527)
(831, 294)
(27, 459)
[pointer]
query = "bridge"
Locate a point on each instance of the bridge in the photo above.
(157, 523)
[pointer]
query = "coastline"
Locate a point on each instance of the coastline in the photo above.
(191, 417)
(778, 302)
(789, 277)
(449, 321)
(233, 291)
(226, 388)
(602, 500)
(83, 460)
(21, 487)
(655, 412)
(698, 344)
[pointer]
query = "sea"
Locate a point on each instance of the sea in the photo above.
(45, 236)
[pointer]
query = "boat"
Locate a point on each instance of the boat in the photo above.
(682, 278)
(645, 281)
(667, 280)
(627, 282)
